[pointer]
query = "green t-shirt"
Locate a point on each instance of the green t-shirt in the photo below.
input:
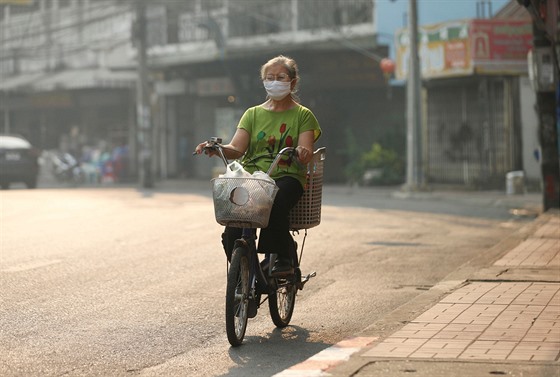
(271, 131)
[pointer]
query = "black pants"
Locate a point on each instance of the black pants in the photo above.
(276, 237)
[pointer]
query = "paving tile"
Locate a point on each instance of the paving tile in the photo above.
(555, 299)
(543, 334)
(488, 350)
(415, 326)
(518, 309)
(392, 347)
(518, 317)
(493, 333)
(555, 261)
(534, 297)
(436, 348)
(479, 314)
(465, 327)
(484, 321)
(516, 256)
(421, 334)
(551, 313)
(535, 351)
(442, 313)
(419, 330)
(492, 345)
(503, 293)
(469, 294)
(533, 252)
(458, 335)
(549, 230)
(439, 344)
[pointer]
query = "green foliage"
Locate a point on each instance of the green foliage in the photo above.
(382, 166)
(353, 169)
(376, 166)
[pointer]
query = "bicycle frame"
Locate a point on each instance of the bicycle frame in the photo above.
(256, 275)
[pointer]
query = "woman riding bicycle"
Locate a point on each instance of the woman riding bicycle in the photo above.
(281, 121)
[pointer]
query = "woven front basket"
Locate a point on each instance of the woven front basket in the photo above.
(307, 213)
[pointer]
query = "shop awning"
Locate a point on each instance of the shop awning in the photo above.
(70, 79)
(83, 79)
(20, 82)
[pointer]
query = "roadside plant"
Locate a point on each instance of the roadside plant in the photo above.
(382, 166)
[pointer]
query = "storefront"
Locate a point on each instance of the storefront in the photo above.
(474, 128)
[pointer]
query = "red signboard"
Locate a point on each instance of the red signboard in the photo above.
(461, 48)
(500, 40)
(456, 55)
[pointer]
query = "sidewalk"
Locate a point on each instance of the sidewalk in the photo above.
(496, 316)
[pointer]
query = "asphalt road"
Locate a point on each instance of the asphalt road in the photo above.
(118, 281)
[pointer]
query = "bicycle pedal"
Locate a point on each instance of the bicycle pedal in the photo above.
(252, 309)
(306, 278)
(282, 273)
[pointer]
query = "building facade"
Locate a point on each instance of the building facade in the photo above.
(475, 78)
(70, 67)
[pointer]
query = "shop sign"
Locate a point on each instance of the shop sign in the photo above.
(214, 86)
(52, 100)
(501, 46)
(460, 48)
(171, 88)
(17, 2)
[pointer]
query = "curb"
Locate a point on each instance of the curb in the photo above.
(327, 359)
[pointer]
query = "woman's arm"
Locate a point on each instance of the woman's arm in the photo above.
(238, 144)
(305, 146)
(236, 147)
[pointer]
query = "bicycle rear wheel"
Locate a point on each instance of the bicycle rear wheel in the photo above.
(237, 296)
(281, 302)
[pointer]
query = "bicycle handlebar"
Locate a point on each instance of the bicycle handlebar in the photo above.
(215, 144)
(286, 150)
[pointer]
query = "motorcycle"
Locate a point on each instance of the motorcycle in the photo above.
(66, 168)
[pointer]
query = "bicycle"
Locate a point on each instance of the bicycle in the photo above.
(246, 203)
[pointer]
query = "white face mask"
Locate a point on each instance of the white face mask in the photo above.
(277, 90)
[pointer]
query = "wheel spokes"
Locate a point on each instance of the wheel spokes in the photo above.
(284, 297)
(241, 304)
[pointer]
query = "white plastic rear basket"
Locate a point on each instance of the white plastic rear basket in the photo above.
(307, 213)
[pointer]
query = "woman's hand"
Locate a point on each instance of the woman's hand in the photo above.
(304, 154)
(305, 147)
(201, 148)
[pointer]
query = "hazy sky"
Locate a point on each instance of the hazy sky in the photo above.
(392, 14)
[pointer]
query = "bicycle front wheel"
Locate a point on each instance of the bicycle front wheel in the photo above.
(281, 302)
(237, 297)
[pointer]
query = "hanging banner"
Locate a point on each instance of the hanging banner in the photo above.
(16, 2)
(501, 46)
(461, 48)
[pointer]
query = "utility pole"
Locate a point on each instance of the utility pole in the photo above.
(143, 113)
(414, 176)
(544, 65)
(548, 127)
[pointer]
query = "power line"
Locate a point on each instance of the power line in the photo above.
(39, 29)
(29, 42)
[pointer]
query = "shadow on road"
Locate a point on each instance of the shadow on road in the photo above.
(273, 353)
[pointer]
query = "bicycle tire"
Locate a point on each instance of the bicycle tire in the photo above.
(237, 297)
(281, 302)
